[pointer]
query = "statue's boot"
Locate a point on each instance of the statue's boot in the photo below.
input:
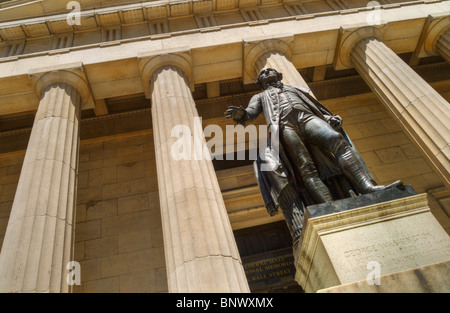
(354, 171)
(314, 185)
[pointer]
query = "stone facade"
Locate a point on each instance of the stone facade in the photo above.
(86, 111)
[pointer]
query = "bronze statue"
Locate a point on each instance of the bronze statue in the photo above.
(315, 162)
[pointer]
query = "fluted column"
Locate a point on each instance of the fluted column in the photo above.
(38, 240)
(201, 252)
(443, 45)
(422, 112)
(274, 53)
(279, 61)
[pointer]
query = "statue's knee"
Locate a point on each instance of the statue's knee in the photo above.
(338, 145)
(309, 171)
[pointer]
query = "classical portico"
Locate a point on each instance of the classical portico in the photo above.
(69, 197)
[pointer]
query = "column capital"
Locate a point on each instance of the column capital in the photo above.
(349, 37)
(72, 74)
(150, 62)
(254, 48)
(434, 27)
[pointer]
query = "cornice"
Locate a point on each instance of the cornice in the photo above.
(151, 11)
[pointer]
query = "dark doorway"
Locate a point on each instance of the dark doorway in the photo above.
(266, 253)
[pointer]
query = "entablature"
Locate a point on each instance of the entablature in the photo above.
(112, 68)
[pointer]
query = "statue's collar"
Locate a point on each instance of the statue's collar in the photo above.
(277, 84)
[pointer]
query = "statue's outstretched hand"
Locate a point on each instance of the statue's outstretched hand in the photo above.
(236, 113)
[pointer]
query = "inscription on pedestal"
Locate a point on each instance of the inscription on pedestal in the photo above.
(392, 251)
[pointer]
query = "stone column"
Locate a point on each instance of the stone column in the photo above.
(38, 241)
(275, 53)
(435, 37)
(279, 61)
(201, 252)
(422, 112)
(443, 45)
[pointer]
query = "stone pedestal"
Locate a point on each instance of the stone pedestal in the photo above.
(364, 238)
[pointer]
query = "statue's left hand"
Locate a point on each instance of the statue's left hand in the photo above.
(335, 121)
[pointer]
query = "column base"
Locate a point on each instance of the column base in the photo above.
(370, 239)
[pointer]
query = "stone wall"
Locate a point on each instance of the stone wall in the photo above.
(10, 166)
(118, 235)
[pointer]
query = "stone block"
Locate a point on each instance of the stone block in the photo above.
(391, 155)
(101, 209)
(128, 187)
(90, 270)
(3, 170)
(158, 258)
(150, 168)
(101, 154)
(8, 192)
(372, 128)
(153, 200)
(157, 236)
(141, 260)
(102, 247)
(132, 204)
(127, 223)
(3, 224)
(80, 213)
(105, 175)
(79, 251)
(356, 111)
(82, 179)
(140, 282)
(88, 230)
(135, 241)
(5, 208)
(89, 194)
(392, 171)
(364, 118)
(161, 280)
(105, 285)
(381, 141)
(89, 165)
(115, 265)
(130, 170)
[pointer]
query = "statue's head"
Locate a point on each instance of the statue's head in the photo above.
(267, 75)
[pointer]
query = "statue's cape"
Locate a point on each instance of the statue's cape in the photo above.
(274, 170)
